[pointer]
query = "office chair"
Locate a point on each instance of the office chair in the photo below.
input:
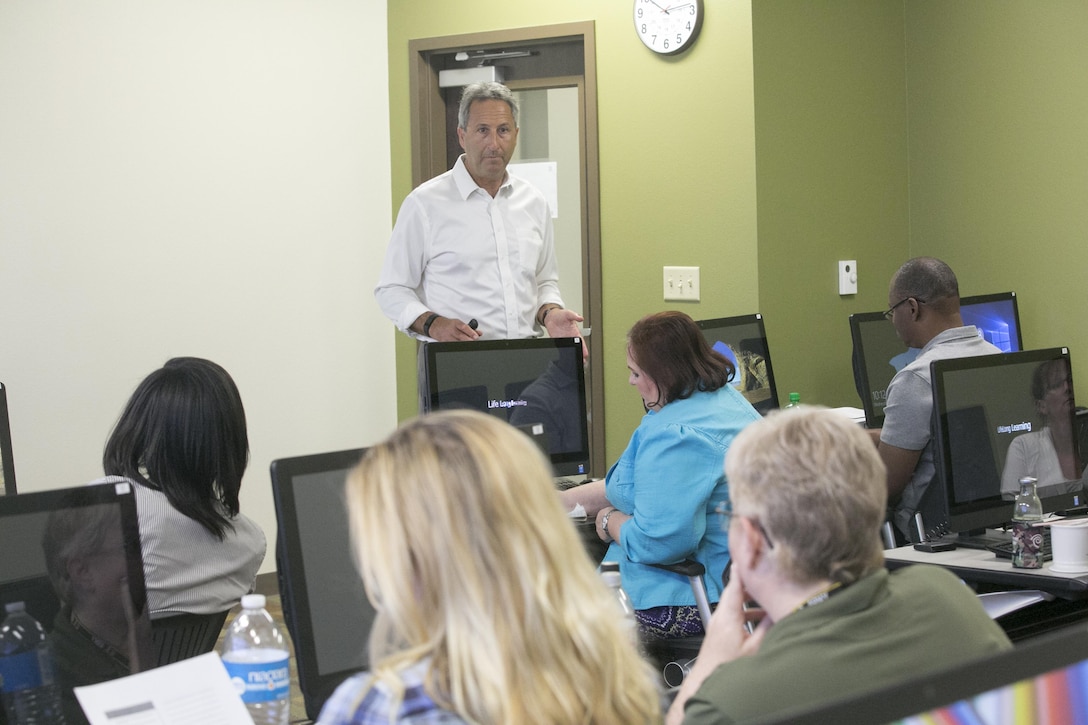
(185, 635)
(674, 656)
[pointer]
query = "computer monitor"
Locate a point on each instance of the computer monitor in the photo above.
(999, 418)
(324, 601)
(7, 461)
(743, 340)
(536, 384)
(879, 354)
(1040, 681)
(72, 556)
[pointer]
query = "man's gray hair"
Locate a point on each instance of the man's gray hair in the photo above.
(485, 91)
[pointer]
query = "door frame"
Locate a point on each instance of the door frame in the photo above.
(429, 159)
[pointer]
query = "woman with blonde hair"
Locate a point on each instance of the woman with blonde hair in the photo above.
(488, 609)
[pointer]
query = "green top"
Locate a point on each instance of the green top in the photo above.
(880, 630)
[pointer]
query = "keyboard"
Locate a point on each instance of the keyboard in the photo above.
(562, 484)
(1004, 549)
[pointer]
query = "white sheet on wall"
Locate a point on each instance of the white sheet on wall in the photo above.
(544, 175)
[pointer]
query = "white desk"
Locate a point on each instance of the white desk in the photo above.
(985, 571)
(984, 567)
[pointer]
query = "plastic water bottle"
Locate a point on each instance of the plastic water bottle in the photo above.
(255, 656)
(1027, 539)
(795, 400)
(610, 573)
(27, 674)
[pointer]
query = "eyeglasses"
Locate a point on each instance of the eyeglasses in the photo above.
(891, 310)
(725, 510)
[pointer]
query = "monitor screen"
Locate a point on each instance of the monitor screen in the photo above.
(743, 340)
(7, 461)
(536, 384)
(879, 353)
(999, 418)
(72, 556)
(1040, 681)
(324, 601)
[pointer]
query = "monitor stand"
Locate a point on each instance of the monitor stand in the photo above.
(982, 538)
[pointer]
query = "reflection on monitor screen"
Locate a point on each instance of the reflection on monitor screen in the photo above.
(535, 384)
(743, 341)
(73, 558)
(1000, 418)
(879, 353)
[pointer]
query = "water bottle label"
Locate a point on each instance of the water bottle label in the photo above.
(260, 681)
(20, 672)
(1027, 546)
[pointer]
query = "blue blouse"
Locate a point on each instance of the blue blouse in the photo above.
(670, 480)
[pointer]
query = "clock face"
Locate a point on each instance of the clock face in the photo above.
(668, 26)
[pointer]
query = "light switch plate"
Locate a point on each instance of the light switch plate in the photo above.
(848, 277)
(681, 284)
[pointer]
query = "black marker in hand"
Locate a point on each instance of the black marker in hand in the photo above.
(473, 323)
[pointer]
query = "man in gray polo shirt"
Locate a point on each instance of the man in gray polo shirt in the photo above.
(924, 307)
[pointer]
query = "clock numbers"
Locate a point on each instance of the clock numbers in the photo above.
(668, 26)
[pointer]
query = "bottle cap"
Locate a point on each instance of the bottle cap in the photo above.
(253, 601)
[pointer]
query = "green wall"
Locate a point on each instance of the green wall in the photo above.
(873, 130)
(677, 165)
(831, 149)
(998, 105)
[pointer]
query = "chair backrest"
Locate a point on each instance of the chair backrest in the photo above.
(185, 635)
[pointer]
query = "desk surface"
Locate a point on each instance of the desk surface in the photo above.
(982, 566)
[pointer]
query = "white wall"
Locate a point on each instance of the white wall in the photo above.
(205, 178)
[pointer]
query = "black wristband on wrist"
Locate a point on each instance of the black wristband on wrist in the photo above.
(428, 322)
(544, 315)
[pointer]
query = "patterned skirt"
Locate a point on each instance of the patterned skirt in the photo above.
(668, 622)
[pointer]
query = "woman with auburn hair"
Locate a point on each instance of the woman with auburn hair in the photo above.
(656, 505)
(488, 609)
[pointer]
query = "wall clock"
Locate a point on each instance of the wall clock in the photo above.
(668, 26)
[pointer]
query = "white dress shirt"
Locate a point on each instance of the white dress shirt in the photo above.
(459, 252)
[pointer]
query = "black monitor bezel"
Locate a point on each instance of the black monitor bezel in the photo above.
(861, 370)
(298, 610)
(993, 511)
(120, 493)
(570, 463)
(7, 457)
(946, 686)
(756, 319)
(42, 503)
(857, 320)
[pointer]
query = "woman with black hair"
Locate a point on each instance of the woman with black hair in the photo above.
(182, 443)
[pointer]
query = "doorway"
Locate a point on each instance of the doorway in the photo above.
(552, 70)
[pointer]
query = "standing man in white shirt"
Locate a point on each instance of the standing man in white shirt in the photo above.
(475, 243)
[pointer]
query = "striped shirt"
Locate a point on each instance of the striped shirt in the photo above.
(358, 702)
(186, 568)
